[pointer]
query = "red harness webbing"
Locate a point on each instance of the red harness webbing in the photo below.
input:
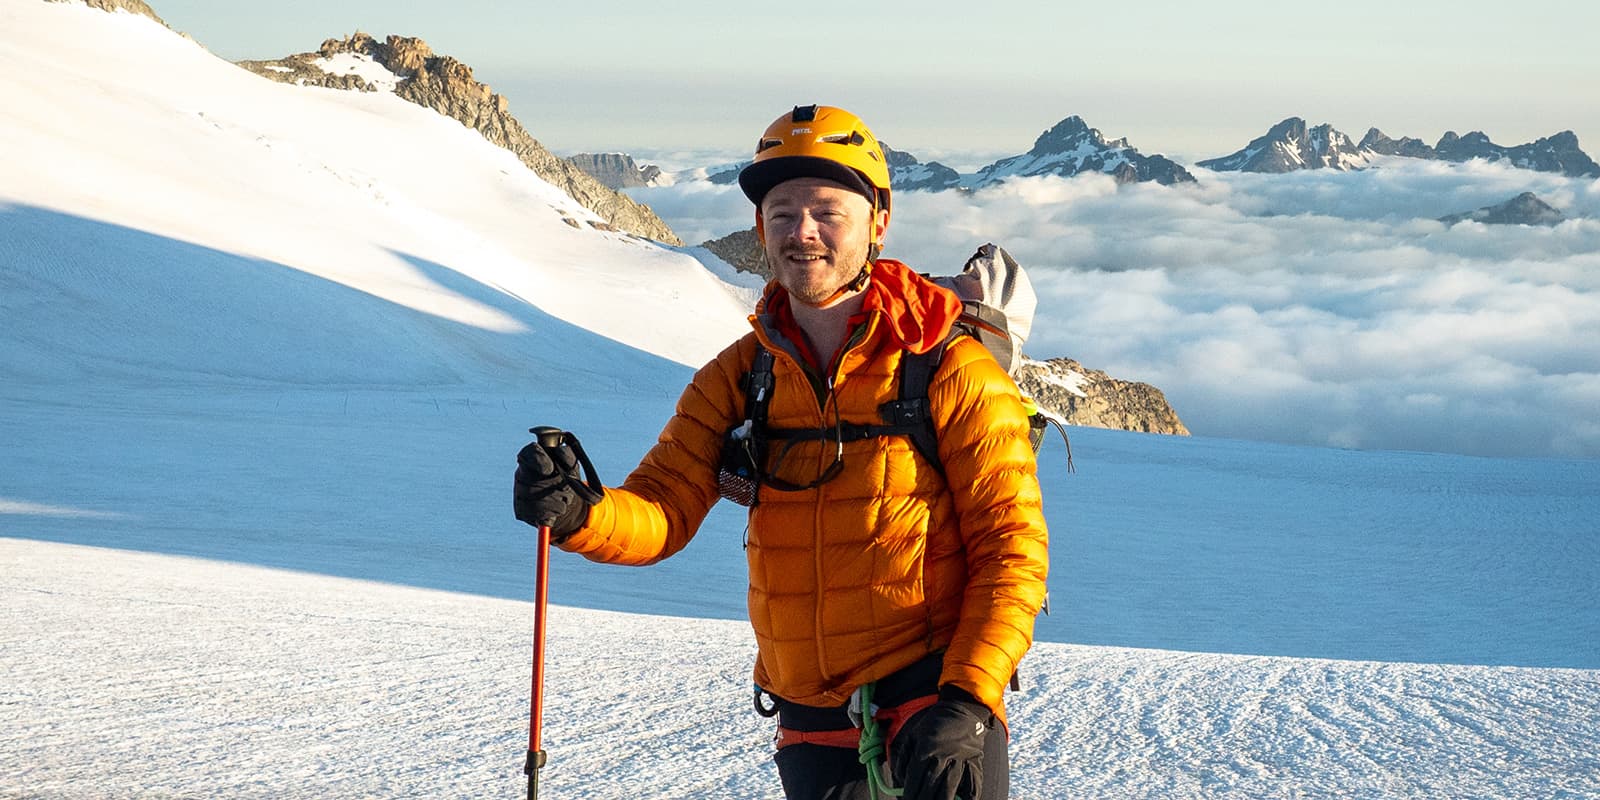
(850, 738)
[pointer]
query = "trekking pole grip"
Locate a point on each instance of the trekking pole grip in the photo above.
(551, 438)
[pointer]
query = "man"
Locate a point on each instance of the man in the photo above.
(873, 572)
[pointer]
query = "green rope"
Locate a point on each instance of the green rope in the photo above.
(872, 750)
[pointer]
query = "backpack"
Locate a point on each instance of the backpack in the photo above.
(997, 309)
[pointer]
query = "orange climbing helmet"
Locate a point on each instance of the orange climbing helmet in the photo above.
(818, 142)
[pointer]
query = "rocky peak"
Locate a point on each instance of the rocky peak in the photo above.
(1524, 209)
(1293, 145)
(447, 86)
(1071, 147)
(1070, 134)
(1377, 142)
(1475, 144)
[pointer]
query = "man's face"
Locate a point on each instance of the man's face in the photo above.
(816, 236)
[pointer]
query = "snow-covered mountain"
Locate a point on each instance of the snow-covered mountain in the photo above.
(1291, 145)
(1068, 148)
(267, 354)
(908, 174)
(1072, 147)
(1556, 153)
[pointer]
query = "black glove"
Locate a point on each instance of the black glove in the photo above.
(545, 490)
(939, 753)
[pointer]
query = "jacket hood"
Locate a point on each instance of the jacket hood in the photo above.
(916, 312)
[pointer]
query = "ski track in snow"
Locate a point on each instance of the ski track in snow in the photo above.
(142, 675)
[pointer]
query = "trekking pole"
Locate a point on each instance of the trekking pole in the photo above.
(549, 438)
(536, 755)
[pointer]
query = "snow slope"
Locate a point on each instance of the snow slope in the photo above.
(268, 352)
(137, 675)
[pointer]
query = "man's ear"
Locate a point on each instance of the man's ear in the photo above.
(880, 224)
(761, 228)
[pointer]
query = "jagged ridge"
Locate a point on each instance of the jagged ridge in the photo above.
(446, 85)
(616, 170)
(1291, 145)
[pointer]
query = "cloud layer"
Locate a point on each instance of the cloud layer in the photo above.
(1316, 308)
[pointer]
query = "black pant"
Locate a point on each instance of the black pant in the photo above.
(820, 772)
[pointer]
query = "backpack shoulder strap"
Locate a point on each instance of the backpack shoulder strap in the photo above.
(914, 411)
(758, 387)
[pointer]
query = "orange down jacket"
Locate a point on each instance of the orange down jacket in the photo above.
(887, 562)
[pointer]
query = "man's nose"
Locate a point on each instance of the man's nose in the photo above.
(804, 227)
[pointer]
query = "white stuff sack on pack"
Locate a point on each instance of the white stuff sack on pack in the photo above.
(997, 302)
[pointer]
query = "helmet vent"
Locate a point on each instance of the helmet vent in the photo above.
(767, 144)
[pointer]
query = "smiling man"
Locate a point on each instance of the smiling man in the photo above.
(892, 588)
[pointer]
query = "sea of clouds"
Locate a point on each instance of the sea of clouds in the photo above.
(1319, 307)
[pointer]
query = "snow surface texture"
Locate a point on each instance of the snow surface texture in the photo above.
(257, 326)
(201, 679)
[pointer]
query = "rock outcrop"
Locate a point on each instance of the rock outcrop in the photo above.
(446, 85)
(1089, 397)
(1524, 209)
(130, 6)
(616, 170)
(743, 251)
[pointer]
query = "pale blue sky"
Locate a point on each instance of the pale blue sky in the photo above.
(939, 79)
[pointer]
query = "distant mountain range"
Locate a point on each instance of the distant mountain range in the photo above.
(1071, 147)
(1292, 145)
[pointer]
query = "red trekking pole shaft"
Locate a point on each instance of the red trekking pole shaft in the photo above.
(590, 491)
(536, 755)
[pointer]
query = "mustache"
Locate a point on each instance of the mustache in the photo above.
(788, 251)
